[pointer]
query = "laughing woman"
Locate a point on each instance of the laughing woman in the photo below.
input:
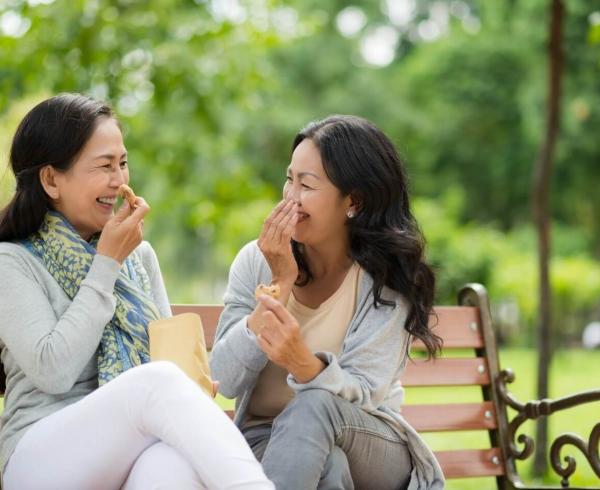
(83, 408)
(316, 373)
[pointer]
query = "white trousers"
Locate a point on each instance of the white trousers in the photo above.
(150, 428)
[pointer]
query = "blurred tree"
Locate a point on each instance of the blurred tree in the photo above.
(186, 78)
(542, 177)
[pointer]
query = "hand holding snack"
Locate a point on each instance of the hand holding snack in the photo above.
(254, 321)
(123, 232)
(281, 340)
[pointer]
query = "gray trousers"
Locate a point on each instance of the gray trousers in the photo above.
(320, 441)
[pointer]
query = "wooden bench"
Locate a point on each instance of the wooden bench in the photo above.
(467, 330)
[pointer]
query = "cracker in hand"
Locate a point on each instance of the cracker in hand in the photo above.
(271, 290)
(127, 193)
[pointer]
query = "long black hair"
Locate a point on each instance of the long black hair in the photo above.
(385, 238)
(52, 133)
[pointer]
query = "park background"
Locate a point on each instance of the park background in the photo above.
(211, 93)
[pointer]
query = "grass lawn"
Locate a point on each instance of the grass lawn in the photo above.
(572, 371)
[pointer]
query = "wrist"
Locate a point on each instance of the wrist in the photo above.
(308, 370)
(285, 288)
(252, 322)
(114, 256)
(284, 280)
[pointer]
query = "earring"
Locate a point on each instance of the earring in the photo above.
(350, 214)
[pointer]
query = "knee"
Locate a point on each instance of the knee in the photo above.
(336, 473)
(315, 408)
(161, 467)
(313, 401)
(337, 461)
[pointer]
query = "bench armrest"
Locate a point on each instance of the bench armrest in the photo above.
(533, 409)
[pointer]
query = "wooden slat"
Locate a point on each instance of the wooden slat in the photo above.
(451, 416)
(446, 372)
(471, 462)
(209, 315)
(459, 326)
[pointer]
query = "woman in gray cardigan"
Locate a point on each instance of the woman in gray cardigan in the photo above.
(315, 372)
(83, 408)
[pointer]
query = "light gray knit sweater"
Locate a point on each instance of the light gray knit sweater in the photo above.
(48, 342)
(365, 373)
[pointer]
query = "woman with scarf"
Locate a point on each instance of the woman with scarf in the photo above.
(316, 373)
(83, 407)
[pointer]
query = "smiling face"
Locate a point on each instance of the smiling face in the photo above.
(86, 193)
(321, 207)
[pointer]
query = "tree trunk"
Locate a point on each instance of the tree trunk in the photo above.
(541, 210)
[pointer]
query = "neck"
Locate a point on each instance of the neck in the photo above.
(327, 259)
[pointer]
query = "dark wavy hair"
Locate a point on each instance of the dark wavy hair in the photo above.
(385, 238)
(52, 133)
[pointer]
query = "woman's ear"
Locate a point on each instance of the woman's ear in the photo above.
(355, 204)
(48, 181)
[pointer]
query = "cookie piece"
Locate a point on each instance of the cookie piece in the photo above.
(127, 193)
(270, 290)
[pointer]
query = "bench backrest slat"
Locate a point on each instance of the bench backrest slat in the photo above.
(446, 372)
(457, 325)
(209, 315)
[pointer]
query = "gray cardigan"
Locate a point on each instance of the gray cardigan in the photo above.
(366, 372)
(48, 342)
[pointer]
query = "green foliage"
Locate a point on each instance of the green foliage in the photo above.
(9, 121)
(185, 85)
(506, 264)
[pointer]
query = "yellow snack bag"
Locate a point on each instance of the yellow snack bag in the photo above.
(180, 339)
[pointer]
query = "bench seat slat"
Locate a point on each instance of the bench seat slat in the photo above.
(446, 372)
(451, 416)
(470, 463)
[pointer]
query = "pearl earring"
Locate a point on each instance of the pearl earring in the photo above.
(350, 214)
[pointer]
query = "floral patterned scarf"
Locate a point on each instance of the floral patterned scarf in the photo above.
(68, 258)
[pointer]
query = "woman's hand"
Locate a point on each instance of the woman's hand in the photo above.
(279, 338)
(124, 231)
(275, 242)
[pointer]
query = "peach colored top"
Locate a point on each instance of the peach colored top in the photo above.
(323, 329)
